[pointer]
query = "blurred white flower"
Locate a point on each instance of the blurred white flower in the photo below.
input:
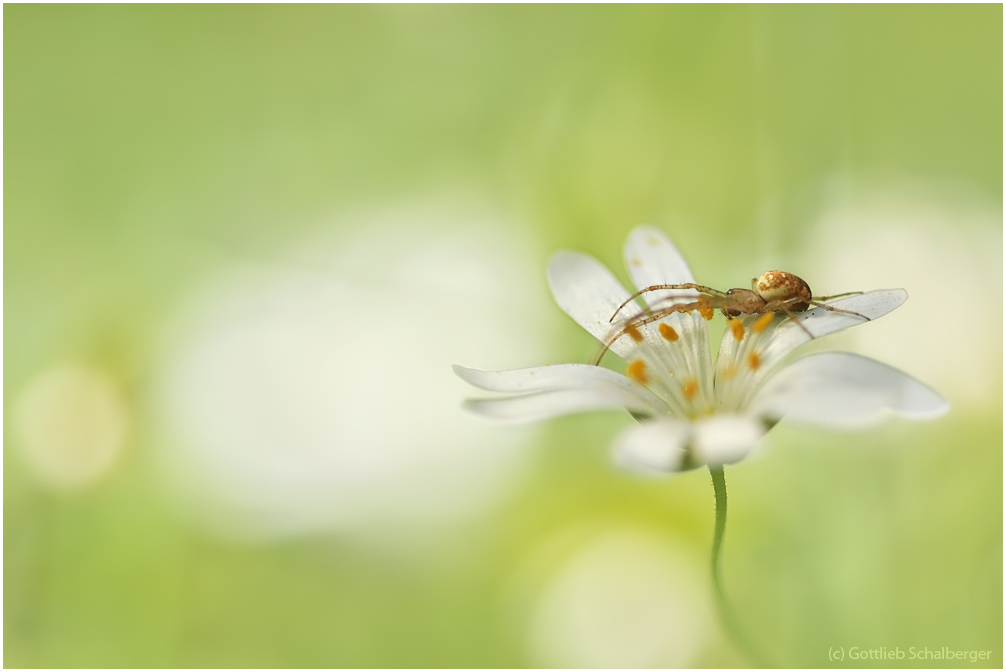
(312, 393)
(691, 411)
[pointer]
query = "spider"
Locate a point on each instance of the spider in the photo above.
(771, 292)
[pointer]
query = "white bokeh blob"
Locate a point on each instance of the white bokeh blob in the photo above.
(948, 255)
(315, 393)
(626, 598)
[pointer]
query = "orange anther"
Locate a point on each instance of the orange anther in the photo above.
(706, 312)
(729, 371)
(754, 360)
(634, 333)
(667, 331)
(690, 388)
(761, 324)
(737, 327)
(637, 371)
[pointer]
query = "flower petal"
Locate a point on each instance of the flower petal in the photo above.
(554, 403)
(589, 293)
(725, 439)
(541, 378)
(657, 446)
(652, 259)
(843, 390)
(597, 380)
(789, 335)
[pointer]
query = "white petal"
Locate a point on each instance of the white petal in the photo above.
(597, 380)
(725, 439)
(589, 293)
(872, 305)
(554, 403)
(840, 389)
(821, 321)
(653, 446)
(542, 378)
(652, 259)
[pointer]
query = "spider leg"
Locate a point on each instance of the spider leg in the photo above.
(688, 285)
(838, 310)
(780, 307)
(693, 303)
(644, 318)
(792, 318)
(654, 315)
(835, 296)
(596, 359)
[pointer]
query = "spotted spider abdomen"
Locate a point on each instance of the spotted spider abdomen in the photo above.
(782, 286)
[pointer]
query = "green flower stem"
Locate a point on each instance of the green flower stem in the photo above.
(726, 613)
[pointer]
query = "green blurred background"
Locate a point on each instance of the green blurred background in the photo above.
(150, 149)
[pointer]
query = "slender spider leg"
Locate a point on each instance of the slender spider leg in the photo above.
(792, 318)
(654, 315)
(713, 302)
(835, 296)
(606, 345)
(688, 285)
(630, 325)
(596, 359)
(646, 317)
(833, 309)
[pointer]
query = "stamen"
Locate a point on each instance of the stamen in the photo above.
(754, 360)
(690, 388)
(667, 331)
(729, 371)
(637, 371)
(737, 327)
(634, 333)
(761, 324)
(706, 312)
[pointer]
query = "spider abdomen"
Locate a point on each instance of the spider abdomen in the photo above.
(774, 286)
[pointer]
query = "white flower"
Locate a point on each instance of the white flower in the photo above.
(693, 411)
